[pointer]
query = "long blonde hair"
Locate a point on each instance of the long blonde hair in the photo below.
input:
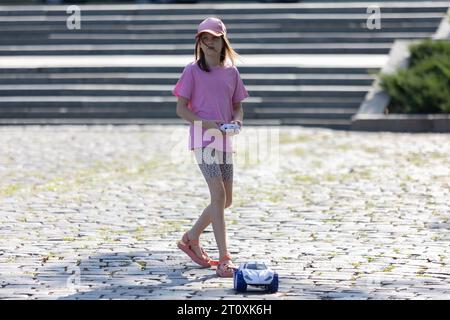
(227, 52)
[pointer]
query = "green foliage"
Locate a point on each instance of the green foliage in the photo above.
(425, 86)
(427, 49)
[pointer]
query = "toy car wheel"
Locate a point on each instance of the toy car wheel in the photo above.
(239, 283)
(273, 286)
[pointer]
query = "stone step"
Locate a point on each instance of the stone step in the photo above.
(86, 113)
(171, 79)
(288, 18)
(233, 29)
(343, 124)
(283, 48)
(280, 113)
(98, 39)
(244, 8)
(327, 123)
(164, 90)
(130, 70)
(129, 112)
(121, 119)
(10, 102)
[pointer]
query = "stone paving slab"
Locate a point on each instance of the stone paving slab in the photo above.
(93, 212)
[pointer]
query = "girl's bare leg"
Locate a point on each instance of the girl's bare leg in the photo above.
(215, 214)
(205, 219)
(201, 224)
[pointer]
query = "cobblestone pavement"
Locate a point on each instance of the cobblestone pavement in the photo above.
(94, 212)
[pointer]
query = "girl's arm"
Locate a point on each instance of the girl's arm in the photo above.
(184, 113)
(238, 113)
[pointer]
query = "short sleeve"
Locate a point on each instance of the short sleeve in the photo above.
(240, 93)
(185, 84)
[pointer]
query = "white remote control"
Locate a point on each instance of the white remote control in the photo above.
(230, 129)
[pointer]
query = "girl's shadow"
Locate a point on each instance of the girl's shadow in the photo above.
(153, 274)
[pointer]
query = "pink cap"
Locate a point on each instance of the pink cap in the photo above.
(213, 26)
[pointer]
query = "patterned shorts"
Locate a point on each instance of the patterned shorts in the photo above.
(214, 163)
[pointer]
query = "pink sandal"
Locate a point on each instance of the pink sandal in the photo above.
(186, 246)
(226, 268)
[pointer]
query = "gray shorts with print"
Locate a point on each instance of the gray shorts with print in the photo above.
(214, 163)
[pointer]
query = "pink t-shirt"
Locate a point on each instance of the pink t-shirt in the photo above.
(211, 96)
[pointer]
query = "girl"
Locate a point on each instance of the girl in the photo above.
(210, 92)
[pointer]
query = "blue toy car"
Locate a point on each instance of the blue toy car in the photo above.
(255, 274)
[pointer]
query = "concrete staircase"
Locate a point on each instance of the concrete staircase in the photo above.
(253, 28)
(280, 94)
(290, 95)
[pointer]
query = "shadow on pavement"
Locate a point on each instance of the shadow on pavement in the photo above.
(120, 275)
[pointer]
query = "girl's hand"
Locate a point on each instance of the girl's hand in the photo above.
(238, 122)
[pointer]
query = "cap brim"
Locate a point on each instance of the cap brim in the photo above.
(210, 32)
